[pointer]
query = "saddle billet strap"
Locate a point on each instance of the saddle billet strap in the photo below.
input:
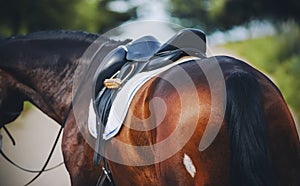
(105, 174)
(97, 157)
(100, 142)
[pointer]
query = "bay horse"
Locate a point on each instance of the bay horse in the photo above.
(257, 143)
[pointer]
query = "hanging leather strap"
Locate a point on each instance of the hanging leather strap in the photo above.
(54, 145)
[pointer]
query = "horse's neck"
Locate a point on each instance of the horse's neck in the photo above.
(50, 89)
(55, 88)
(44, 68)
(43, 72)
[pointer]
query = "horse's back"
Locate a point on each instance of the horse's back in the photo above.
(175, 108)
(179, 101)
(182, 119)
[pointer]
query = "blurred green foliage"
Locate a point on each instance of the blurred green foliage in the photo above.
(279, 57)
(24, 16)
(224, 14)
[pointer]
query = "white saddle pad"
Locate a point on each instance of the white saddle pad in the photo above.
(123, 99)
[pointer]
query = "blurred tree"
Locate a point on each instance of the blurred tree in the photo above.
(223, 14)
(279, 57)
(22, 16)
(109, 18)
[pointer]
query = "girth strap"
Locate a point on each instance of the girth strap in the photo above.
(105, 174)
(100, 145)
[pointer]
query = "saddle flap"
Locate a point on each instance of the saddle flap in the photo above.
(112, 63)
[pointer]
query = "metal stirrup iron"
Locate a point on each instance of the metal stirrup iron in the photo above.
(113, 82)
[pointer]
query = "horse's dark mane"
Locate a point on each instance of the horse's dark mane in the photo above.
(17, 46)
(57, 34)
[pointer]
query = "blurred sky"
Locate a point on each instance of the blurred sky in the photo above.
(34, 133)
(156, 11)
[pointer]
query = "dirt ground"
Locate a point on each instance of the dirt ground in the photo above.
(34, 133)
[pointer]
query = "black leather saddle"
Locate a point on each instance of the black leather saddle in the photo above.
(139, 50)
(144, 54)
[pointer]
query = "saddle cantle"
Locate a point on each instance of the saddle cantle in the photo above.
(187, 42)
(144, 54)
(186, 39)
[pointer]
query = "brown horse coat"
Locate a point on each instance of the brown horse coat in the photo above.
(39, 68)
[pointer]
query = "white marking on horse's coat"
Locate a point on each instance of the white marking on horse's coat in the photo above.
(189, 165)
